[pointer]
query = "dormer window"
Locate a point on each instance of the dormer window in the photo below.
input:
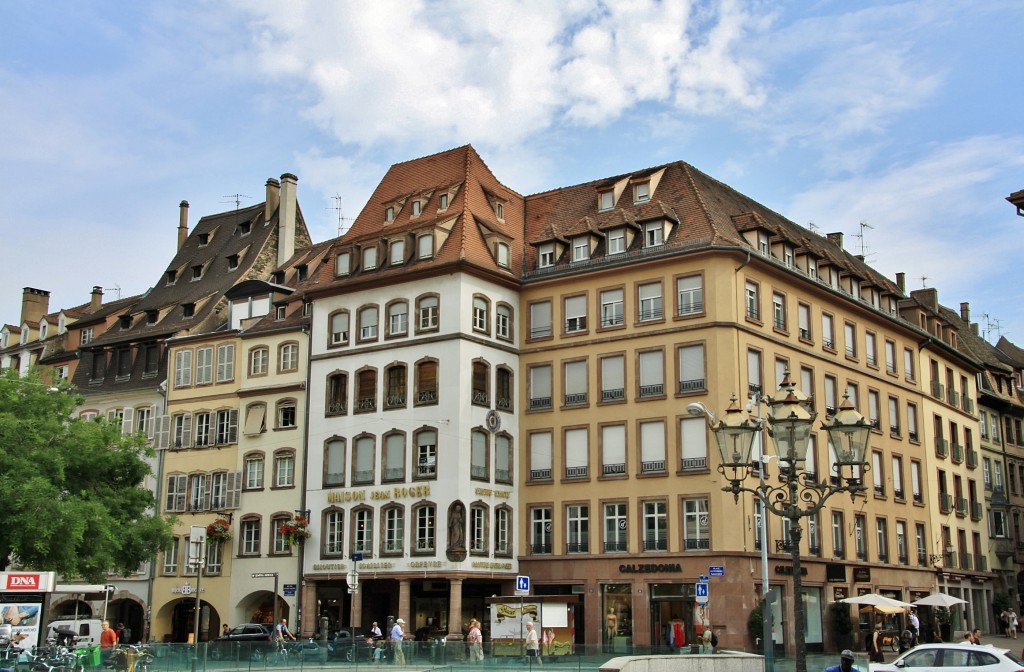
(232, 262)
(369, 258)
(197, 272)
(425, 246)
(24, 334)
(151, 316)
(188, 309)
(42, 330)
(62, 324)
(172, 277)
(245, 228)
(307, 308)
(616, 241)
(204, 239)
(546, 255)
(279, 312)
(503, 255)
(301, 272)
(605, 200)
(499, 210)
(277, 277)
(397, 251)
(654, 234)
(343, 263)
(762, 242)
(417, 208)
(641, 192)
(580, 249)
(126, 322)
(442, 202)
(389, 213)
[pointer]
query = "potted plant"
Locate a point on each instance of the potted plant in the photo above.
(295, 530)
(755, 625)
(218, 531)
(842, 626)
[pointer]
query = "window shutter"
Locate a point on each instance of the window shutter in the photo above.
(163, 432)
(233, 426)
(652, 441)
(576, 448)
(614, 444)
(233, 489)
(186, 431)
(613, 375)
(180, 492)
(694, 438)
(207, 491)
(540, 451)
(127, 420)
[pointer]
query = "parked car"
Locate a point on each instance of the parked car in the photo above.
(349, 644)
(957, 657)
(249, 641)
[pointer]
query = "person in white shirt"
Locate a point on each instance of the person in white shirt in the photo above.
(397, 635)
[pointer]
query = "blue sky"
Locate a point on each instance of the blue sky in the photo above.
(903, 115)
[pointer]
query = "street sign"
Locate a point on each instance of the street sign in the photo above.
(716, 570)
(522, 584)
(357, 557)
(289, 589)
(704, 578)
(264, 575)
(702, 593)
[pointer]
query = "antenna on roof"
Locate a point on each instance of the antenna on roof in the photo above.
(990, 326)
(812, 226)
(923, 283)
(863, 247)
(341, 218)
(115, 288)
(237, 198)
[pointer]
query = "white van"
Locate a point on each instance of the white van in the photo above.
(87, 629)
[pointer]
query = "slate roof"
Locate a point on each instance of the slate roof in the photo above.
(314, 258)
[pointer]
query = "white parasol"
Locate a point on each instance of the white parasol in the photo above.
(939, 600)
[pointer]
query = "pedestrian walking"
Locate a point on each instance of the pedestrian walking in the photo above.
(397, 635)
(532, 643)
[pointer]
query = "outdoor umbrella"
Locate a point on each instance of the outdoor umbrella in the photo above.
(875, 600)
(939, 600)
(882, 609)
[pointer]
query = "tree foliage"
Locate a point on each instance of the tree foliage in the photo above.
(72, 490)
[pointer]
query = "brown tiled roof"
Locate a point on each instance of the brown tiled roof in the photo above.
(1010, 353)
(315, 258)
(470, 216)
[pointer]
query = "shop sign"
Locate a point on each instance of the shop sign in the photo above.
(839, 593)
(788, 571)
(651, 568)
(34, 582)
(835, 572)
(487, 492)
(426, 564)
(329, 567)
(492, 565)
(387, 494)
(186, 589)
(862, 575)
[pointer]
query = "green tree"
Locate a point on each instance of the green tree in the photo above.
(71, 490)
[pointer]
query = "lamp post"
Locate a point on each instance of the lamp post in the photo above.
(790, 421)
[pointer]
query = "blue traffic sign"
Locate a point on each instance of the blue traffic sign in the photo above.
(523, 584)
(702, 593)
(704, 578)
(716, 570)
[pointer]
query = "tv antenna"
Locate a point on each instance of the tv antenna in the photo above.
(923, 283)
(863, 246)
(812, 226)
(237, 198)
(341, 217)
(115, 288)
(991, 325)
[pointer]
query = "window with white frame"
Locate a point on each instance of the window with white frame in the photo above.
(894, 416)
(225, 362)
(426, 453)
(394, 529)
(546, 255)
(577, 458)
(480, 314)
(860, 536)
(398, 318)
(779, 311)
(334, 532)
(502, 530)
(908, 363)
(696, 532)
(612, 307)
(581, 248)
(362, 531)
(912, 422)
(901, 542)
(616, 241)
(397, 250)
(343, 263)
(425, 246)
(540, 456)
(197, 493)
(284, 469)
(655, 514)
(613, 450)
(652, 447)
(203, 434)
(616, 521)
(227, 426)
(605, 200)
(503, 321)
(540, 530)
(694, 439)
(427, 313)
(641, 192)
(250, 530)
(182, 368)
(279, 543)
(575, 313)
(369, 258)
(334, 462)
(850, 333)
(503, 255)
(425, 528)
(828, 334)
(652, 373)
(871, 348)
(477, 529)
(577, 520)
(874, 409)
(690, 295)
(288, 357)
(219, 490)
(838, 535)
(650, 306)
(177, 493)
(882, 538)
(613, 378)
(254, 472)
(258, 361)
(339, 328)
(503, 458)
(691, 368)
(170, 566)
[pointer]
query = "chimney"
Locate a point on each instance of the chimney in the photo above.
(96, 301)
(928, 297)
(974, 328)
(286, 219)
(34, 304)
(901, 282)
(836, 239)
(965, 312)
(273, 200)
(182, 223)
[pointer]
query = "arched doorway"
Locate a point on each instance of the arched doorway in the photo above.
(183, 621)
(131, 614)
(70, 608)
(258, 607)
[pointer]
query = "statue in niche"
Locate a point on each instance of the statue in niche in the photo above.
(456, 532)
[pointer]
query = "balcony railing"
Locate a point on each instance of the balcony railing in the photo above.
(576, 472)
(953, 398)
(972, 458)
(976, 511)
(540, 474)
(968, 405)
(652, 466)
(695, 385)
(697, 544)
(613, 395)
(945, 503)
(941, 447)
(922, 559)
(655, 544)
(614, 469)
(938, 390)
(695, 463)
(616, 546)
(537, 403)
(961, 506)
(652, 390)
(958, 453)
(577, 547)
(576, 399)
(966, 561)
(980, 562)
(540, 549)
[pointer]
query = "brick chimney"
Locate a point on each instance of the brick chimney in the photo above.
(273, 200)
(965, 312)
(836, 239)
(929, 297)
(286, 219)
(96, 300)
(901, 282)
(34, 304)
(182, 223)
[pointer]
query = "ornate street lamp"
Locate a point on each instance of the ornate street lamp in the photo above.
(790, 422)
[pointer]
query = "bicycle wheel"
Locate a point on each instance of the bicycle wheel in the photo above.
(894, 643)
